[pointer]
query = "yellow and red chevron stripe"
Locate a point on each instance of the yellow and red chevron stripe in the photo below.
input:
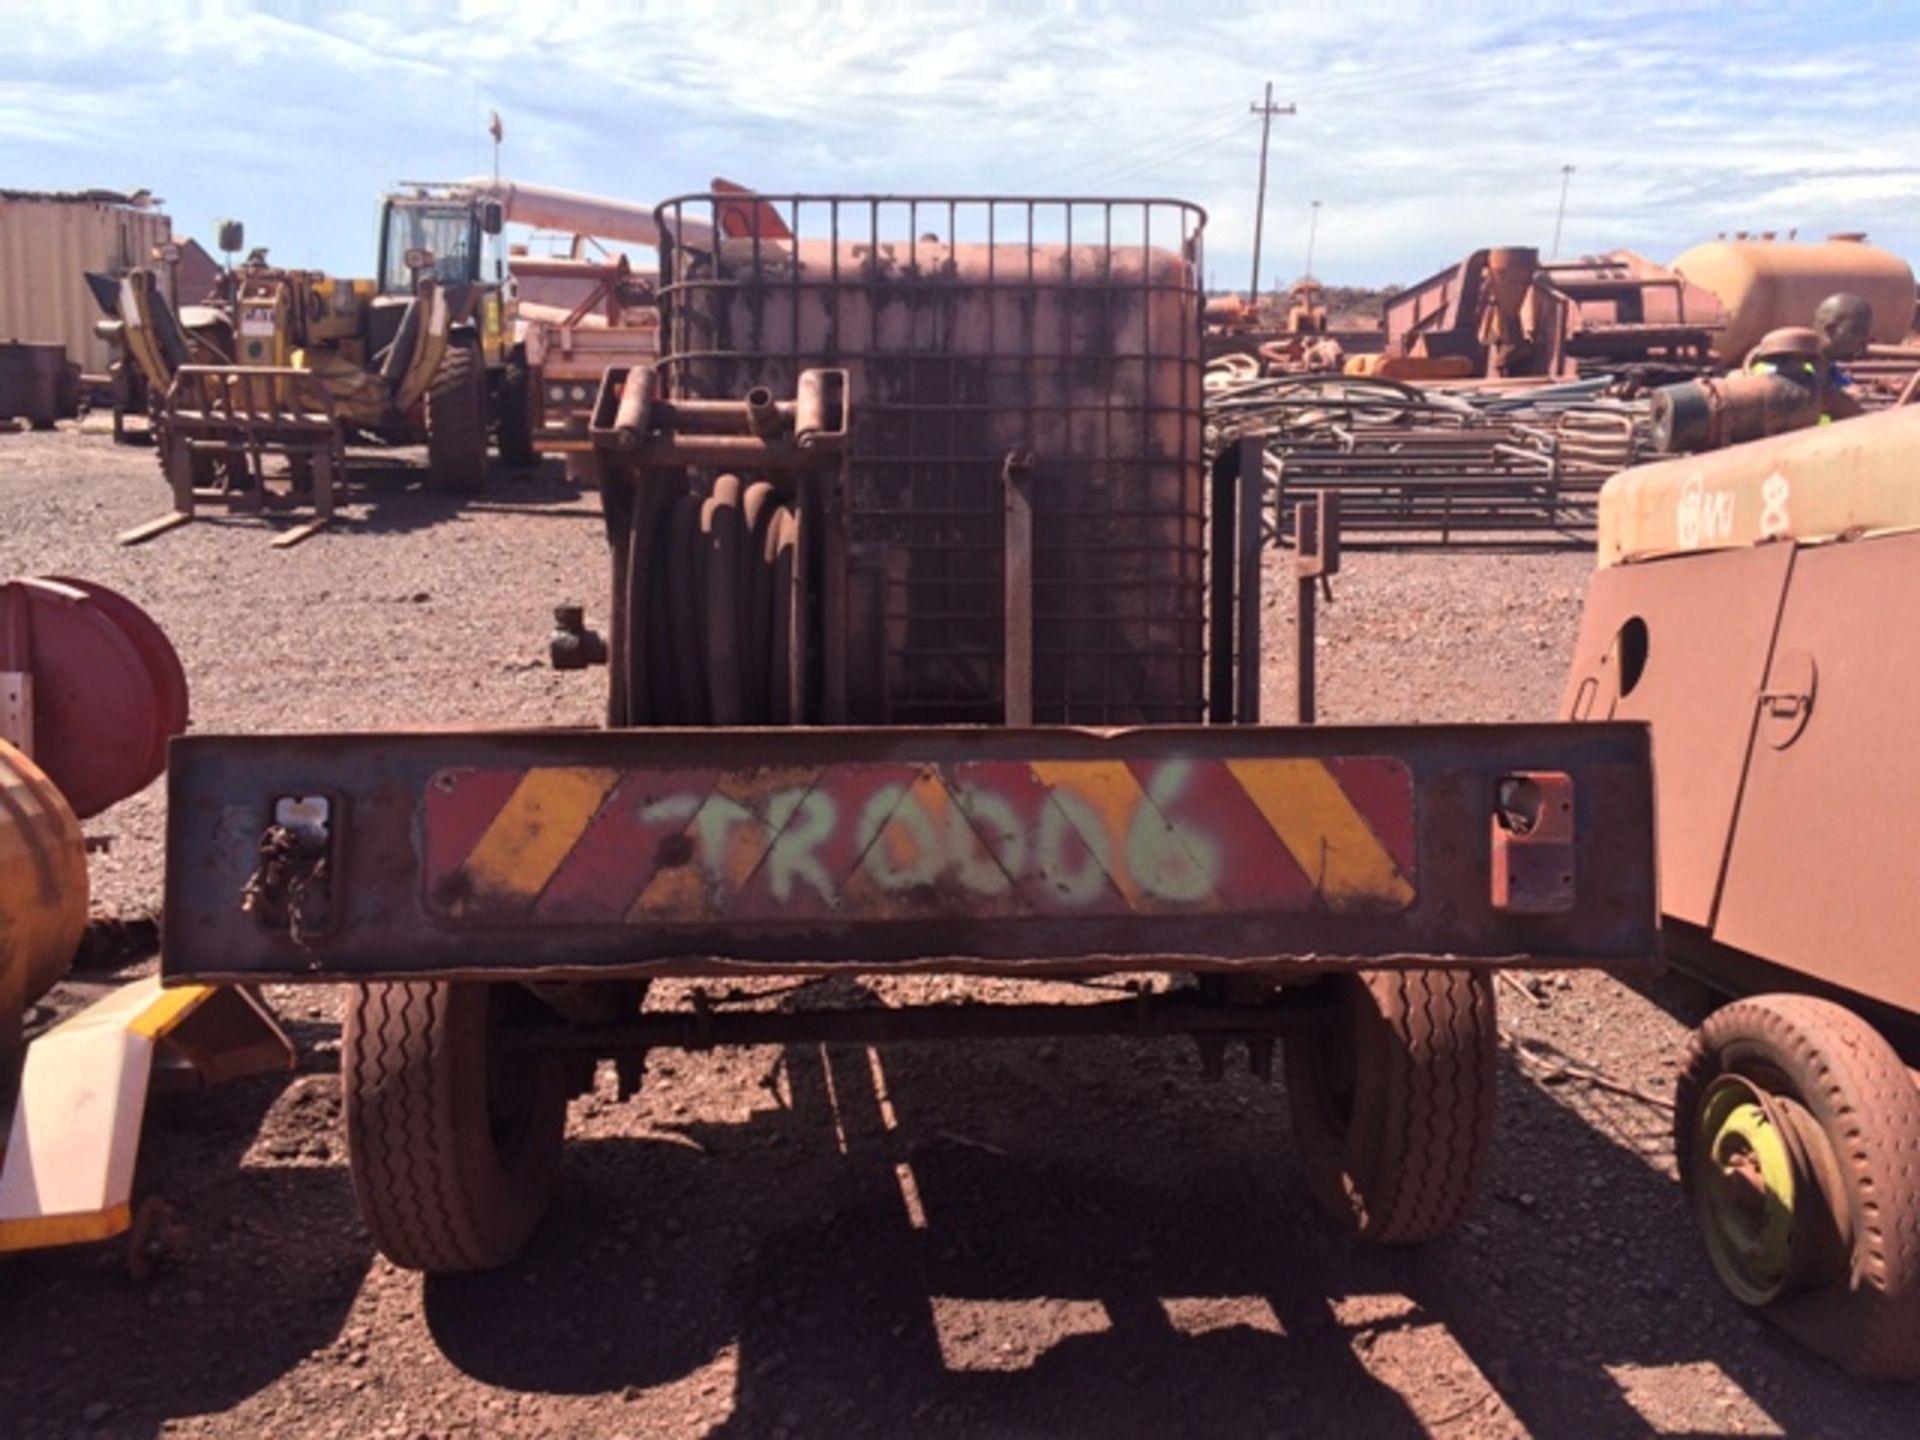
(577, 845)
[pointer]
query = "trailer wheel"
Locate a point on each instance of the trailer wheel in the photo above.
(514, 406)
(1797, 1129)
(457, 422)
(1393, 1102)
(454, 1140)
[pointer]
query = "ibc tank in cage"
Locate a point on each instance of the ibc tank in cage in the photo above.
(1059, 336)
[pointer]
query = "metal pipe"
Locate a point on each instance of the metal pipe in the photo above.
(1305, 614)
(810, 407)
(549, 208)
(713, 417)
(630, 421)
(763, 416)
(1726, 410)
(729, 450)
(561, 267)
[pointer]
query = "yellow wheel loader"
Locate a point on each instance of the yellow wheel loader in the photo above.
(293, 363)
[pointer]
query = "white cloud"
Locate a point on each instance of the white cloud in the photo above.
(1426, 129)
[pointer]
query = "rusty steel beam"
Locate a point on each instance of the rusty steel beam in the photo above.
(1251, 537)
(1316, 557)
(1146, 1016)
(1222, 476)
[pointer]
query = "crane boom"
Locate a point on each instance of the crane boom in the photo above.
(548, 207)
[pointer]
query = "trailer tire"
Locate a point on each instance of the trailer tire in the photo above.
(454, 1143)
(456, 412)
(1393, 1103)
(1851, 1123)
(515, 407)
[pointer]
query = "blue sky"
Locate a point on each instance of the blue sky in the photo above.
(1425, 129)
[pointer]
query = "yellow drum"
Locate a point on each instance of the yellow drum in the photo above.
(43, 881)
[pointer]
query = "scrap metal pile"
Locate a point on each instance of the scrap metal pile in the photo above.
(1434, 465)
(1509, 389)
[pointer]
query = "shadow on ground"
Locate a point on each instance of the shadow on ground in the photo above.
(390, 493)
(261, 1266)
(1010, 1239)
(1101, 1247)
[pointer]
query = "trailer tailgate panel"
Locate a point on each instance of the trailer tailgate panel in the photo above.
(656, 851)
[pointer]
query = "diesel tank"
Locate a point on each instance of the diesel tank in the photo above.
(1763, 285)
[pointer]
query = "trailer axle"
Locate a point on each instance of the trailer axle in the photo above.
(1146, 1015)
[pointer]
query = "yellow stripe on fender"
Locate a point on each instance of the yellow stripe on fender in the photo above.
(41, 1232)
(1323, 832)
(168, 1009)
(535, 830)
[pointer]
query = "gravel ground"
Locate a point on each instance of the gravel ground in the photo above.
(1018, 1239)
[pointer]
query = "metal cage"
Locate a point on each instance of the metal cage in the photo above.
(1002, 352)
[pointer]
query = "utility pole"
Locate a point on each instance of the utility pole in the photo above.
(1313, 229)
(1566, 179)
(1266, 111)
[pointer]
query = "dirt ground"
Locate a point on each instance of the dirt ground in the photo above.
(1022, 1239)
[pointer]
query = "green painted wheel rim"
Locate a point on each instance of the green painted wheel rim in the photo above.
(1746, 1189)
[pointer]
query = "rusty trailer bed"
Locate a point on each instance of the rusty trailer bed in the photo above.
(593, 854)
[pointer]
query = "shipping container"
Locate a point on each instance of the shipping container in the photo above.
(47, 244)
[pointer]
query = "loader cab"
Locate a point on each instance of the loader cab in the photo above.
(451, 232)
(454, 238)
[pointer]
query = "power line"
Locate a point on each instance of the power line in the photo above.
(1136, 166)
(1266, 111)
(1157, 152)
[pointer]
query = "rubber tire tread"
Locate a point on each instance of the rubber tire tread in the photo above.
(513, 434)
(456, 414)
(710, 606)
(758, 508)
(724, 586)
(434, 1188)
(1868, 1105)
(1410, 1163)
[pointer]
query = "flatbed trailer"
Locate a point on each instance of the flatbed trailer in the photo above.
(922, 658)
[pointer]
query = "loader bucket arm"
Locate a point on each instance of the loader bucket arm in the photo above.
(150, 330)
(418, 347)
(105, 290)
